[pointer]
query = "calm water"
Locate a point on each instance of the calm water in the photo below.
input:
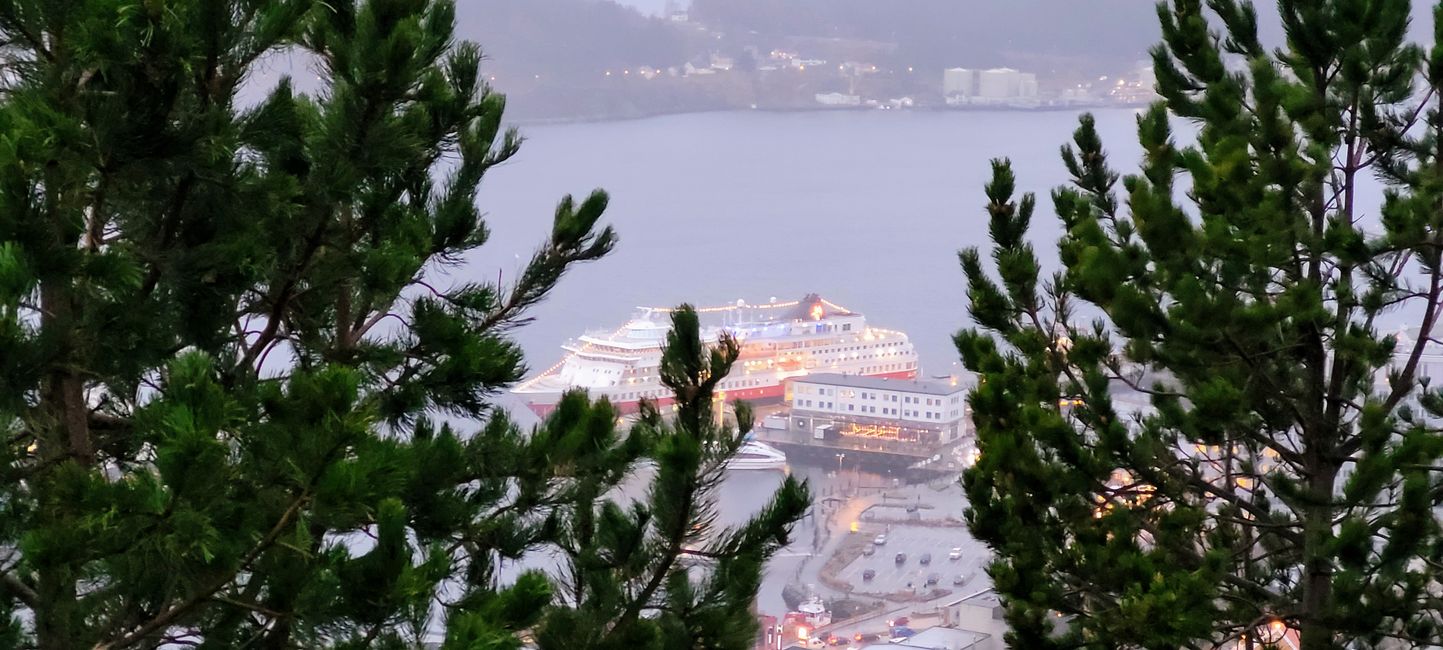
(865, 208)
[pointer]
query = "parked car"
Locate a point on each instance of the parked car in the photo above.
(866, 638)
(900, 621)
(869, 551)
(869, 574)
(880, 539)
(933, 579)
(959, 580)
(911, 507)
(926, 558)
(955, 553)
(900, 559)
(839, 641)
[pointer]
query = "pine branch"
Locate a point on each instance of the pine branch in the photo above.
(17, 588)
(207, 592)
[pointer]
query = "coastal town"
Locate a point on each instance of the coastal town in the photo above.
(703, 64)
(884, 556)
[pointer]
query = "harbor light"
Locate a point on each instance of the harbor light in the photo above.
(856, 526)
(803, 633)
(1274, 631)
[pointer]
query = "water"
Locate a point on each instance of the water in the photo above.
(865, 208)
(868, 209)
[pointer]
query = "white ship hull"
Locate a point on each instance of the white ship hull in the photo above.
(779, 342)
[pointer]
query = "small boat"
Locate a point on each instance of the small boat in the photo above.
(757, 455)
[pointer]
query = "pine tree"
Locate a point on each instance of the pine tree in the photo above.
(1284, 471)
(228, 333)
(659, 572)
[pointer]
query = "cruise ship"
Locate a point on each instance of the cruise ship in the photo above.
(779, 341)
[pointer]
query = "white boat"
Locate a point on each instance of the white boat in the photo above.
(757, 455)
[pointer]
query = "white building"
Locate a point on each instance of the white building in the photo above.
(998, 83)
(981, 612)
(690, 70)
(1027, 85)
(838, 99)
(958, 81)
(876, 407)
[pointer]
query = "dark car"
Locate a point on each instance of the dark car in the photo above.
(901, 558)
(839, 640)
(869, 574)
(932, 579)
(866, 638)
(926, 558)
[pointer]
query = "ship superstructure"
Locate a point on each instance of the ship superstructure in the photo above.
(779, 341)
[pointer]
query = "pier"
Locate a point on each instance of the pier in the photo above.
(871, 454)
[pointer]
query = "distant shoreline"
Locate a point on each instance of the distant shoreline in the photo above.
(560, 121)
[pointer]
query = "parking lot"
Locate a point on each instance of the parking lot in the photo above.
(911, 575)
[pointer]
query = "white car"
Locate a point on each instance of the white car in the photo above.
(955, 554)
(880, 539)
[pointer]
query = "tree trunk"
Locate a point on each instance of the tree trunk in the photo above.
(1316, 630)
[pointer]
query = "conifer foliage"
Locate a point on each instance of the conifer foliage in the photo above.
(660, 572)
(227, 333)
(1284, 469)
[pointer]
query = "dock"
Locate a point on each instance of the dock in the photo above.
(865, 453)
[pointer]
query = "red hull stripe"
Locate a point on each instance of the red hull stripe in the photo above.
(760, 394)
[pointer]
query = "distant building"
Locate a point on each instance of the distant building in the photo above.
(838, 99)
(940, 638)
(672, 11)
(959, 82)
(1027, 85)
(1000, 86)
(691, 70)
(719, 62)
(874, 407)
(996, 83)
(982, 612)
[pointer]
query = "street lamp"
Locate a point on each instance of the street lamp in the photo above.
(1268, 628)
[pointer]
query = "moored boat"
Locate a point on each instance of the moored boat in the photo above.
(779, 341)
